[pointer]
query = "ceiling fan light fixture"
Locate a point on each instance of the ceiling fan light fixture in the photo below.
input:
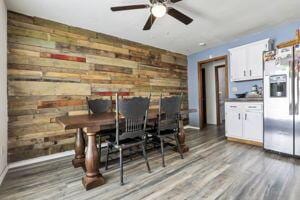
(158, 10)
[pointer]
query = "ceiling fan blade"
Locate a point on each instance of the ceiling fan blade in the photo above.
(131, 7)
(179, 16)
(149, 22)
(175, 1)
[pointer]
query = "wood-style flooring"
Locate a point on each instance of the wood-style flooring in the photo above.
(213, 169)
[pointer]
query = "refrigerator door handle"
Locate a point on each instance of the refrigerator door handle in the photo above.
(291, 96)
(297, 89)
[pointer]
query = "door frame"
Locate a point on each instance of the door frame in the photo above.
(200, 86)
(217, 92)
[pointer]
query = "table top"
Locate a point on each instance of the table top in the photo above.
(82, 121)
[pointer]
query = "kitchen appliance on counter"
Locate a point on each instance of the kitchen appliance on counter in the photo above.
(255, 92)
(241, 95)
(281, 100)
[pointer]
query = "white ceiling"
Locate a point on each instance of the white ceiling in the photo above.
(215, 21)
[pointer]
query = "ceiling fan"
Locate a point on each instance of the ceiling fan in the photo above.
(158, 9)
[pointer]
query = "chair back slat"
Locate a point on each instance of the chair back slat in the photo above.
(134, 111)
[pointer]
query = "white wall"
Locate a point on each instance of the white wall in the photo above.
(210, 90)
(3, 89)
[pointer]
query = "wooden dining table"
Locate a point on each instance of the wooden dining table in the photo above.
(91, 125)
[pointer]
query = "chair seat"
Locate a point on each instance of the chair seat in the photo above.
(126, 143)
(107, 132)
(167, 133)
(152, 125)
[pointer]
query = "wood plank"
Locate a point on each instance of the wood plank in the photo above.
(30, 41)
(28, 33)
(63, 57)
(111, 61)
(24, 73)
(47, 62)
(104, 47)
(60, 103)
(28, 88)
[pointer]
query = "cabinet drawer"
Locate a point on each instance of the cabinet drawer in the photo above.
(254, 107)
(233, 106)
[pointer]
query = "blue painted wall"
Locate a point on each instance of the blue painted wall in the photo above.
(279, 34)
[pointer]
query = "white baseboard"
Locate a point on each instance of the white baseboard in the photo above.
(3, 174)
(44, 158)
(192, 127)
(40, 159)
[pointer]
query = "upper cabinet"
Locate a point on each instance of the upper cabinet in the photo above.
(238, 64)
(246, 62)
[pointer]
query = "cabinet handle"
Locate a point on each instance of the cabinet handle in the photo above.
(246, 116)
(250, 72)
(239, 115)
(244, 72)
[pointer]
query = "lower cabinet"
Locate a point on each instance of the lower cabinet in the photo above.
(244, 121)
(233, 121)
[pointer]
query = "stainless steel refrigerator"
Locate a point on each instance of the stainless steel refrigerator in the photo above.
(281, 100)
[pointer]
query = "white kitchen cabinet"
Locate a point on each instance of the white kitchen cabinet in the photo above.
(238, 64)
(244, 120)
(253, 126)
(246, 62)
(255, 59)
(233, 121)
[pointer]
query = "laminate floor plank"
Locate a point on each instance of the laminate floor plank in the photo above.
(213, 169)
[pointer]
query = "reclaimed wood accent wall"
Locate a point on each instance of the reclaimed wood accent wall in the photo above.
(52, 67)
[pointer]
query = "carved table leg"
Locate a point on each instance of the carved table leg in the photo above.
(184, 148)
(79, 159)
(93, 178)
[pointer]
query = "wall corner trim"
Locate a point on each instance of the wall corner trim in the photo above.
(3, 174)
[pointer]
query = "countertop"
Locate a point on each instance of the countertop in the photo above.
(244, 99)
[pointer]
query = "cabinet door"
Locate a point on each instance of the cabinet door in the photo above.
(253, 126)
(255, 60)
(233, 124)
(238, 63)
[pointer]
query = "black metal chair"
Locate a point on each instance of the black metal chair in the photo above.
(99, 106)
(168, 122)
(131, 119)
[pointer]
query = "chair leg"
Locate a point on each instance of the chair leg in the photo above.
(99, 149)
(146, 158)
(146, 139)
(121, 166)
(162, 151)
(107, 157)
(178, 145)
(130, 153)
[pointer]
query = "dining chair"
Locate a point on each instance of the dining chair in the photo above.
(99, 106)
(168, 122)
(131, 120)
